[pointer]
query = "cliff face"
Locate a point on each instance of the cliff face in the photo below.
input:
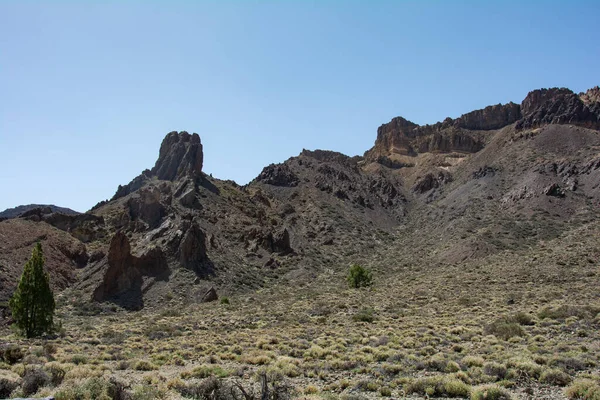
(560, 106)
(467, 133)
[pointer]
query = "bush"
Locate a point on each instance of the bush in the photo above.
(490, 392)
(224, 300)
(205, 371)
(56, 372)
(33, 380)
(522, 318)
(11, 354)
(93, 388)
(144, 365)
(504, 328)
(496, 370)
(8, 382)
(586, 389)
(359, 276)
(564, 312)
(555, 377)
(364, 315)
(438, 386)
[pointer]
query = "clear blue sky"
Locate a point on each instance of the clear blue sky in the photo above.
(88, 90)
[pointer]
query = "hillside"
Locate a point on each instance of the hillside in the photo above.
(482, 232)
(19, 210)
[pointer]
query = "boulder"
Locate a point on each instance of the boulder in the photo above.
(210, 295)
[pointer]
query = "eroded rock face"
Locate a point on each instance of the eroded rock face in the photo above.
(192, 249)
(180, 155)
(125, 272)
(560, 106)
(431, 181)
(491, 117)
(146, 206)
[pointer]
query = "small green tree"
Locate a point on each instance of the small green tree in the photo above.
(32, 305)
(359, 276)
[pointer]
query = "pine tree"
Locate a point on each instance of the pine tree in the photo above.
(32, 304)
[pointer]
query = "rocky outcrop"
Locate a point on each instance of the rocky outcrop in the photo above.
(278, 175)
(125, 272)
(491, 117)
(192, 249)
(559, 106)
(591, 96)
(431, 181)
(180, 155)
(146, 206)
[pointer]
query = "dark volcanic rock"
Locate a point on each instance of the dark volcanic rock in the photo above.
(559, 106)
(431, 181)
(491, 117)
(180, 155)
(210, 295)
(146, 206)
(278, 175)
(192, 249)
(125, 272)
(132, 186)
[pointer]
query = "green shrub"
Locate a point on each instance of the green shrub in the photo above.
(564, 312)
(93, 388)
(555, 377)
(359, 276)
(490, 392)
(144, 365)
(364, 315)
(438, 386)
(504, 328)
(586, 389)
(224, 300)
(205, 371)
(522, 318)
(496, 370)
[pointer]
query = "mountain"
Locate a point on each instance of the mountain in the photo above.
(503, 177)
(19, 210)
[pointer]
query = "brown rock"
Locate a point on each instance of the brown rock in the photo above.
(491, 117)
(559, 106)
(192, 249)
(278, 175)
(210, 295)
(180, 155)
(125, 272)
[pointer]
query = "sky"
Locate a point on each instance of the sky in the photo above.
(88, 90)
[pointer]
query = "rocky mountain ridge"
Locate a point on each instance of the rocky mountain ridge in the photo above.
(493, 179)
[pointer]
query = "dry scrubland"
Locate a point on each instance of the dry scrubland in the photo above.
(513, 325)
